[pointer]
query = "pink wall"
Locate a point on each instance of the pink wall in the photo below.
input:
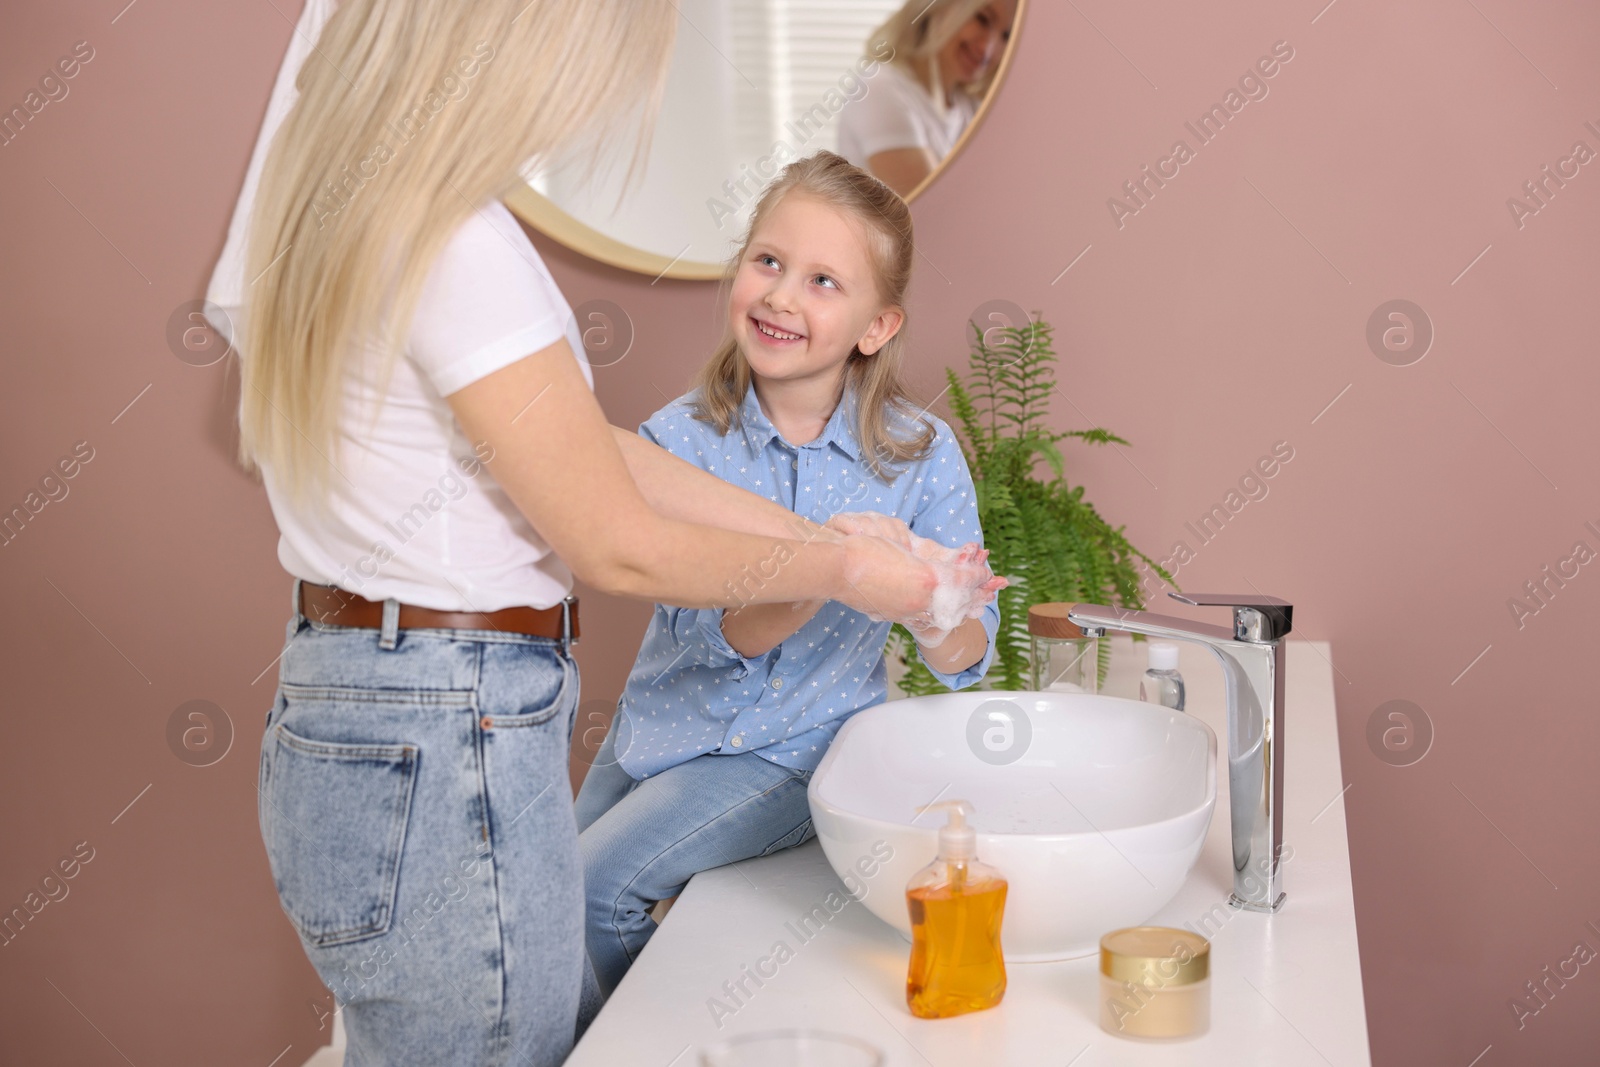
(1222, 318)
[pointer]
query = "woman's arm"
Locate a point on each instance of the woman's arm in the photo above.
(558, 460)
(902, 169)
(759, 628)
(679, 490)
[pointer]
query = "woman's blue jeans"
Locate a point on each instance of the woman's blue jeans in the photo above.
(415, 806)
(642, 841)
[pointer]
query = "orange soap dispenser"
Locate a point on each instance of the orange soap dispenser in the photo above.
(956, 904)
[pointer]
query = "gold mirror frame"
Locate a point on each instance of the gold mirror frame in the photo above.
(542, 213)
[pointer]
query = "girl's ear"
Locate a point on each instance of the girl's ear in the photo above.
(881, 330)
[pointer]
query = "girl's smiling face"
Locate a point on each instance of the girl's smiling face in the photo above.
(805, 295)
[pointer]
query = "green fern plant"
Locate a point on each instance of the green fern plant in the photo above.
(1040, 531)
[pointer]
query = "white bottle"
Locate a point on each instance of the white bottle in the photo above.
(1162, 684)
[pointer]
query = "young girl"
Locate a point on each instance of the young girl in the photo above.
(727, 712)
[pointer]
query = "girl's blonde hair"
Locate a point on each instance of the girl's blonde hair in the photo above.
(919, 29)
(876, 380)
(411, 115)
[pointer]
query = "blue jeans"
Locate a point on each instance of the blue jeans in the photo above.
(415, 807)
(641, 842)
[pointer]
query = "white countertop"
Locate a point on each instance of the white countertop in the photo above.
(1286, 988)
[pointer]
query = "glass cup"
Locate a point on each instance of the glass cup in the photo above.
(792, 1048)
(1063, 659)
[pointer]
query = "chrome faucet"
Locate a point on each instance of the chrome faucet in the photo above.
(1252, 662)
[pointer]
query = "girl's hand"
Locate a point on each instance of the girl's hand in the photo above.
(871, 522)
(930, 632)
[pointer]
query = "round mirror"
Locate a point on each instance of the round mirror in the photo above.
(894, 87)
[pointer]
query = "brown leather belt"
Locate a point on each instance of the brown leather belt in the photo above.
(328, 604)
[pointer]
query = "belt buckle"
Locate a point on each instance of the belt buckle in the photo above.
(567, 603)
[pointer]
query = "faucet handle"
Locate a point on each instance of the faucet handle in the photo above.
(1256, 617)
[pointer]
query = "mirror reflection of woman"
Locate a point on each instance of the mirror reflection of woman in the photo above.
(945, 55)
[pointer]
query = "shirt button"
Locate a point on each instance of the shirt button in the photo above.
(485, 723)
(777, 683)
(737, 742)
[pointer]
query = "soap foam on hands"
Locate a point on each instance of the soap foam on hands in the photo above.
(953, 600)
(964, 584)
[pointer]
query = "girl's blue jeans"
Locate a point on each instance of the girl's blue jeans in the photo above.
(414, 802)
(641, 841)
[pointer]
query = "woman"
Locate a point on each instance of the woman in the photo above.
(943, 56)
(439, 470)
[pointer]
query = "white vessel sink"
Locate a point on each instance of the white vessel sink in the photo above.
(1093, 808)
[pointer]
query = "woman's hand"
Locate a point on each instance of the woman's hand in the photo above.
(884, 581)
(889, 583)
(871, 522)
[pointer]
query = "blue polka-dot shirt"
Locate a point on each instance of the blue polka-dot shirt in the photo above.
(690, 693)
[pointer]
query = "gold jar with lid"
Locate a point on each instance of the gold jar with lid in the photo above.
(1155, 982)
(1064, 659)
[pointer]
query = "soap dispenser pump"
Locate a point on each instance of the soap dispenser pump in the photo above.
(956, 905)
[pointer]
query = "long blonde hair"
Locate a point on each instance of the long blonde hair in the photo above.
(920, 29)
(411, 115)
(877, 380)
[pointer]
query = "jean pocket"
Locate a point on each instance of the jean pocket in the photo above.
(334, 819)
(794, 837)
(553, 687)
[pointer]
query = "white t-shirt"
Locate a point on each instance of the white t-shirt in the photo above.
(897, 112)
(414, 515)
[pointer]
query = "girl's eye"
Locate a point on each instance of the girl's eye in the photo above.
(766, 260)
(824, 280)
